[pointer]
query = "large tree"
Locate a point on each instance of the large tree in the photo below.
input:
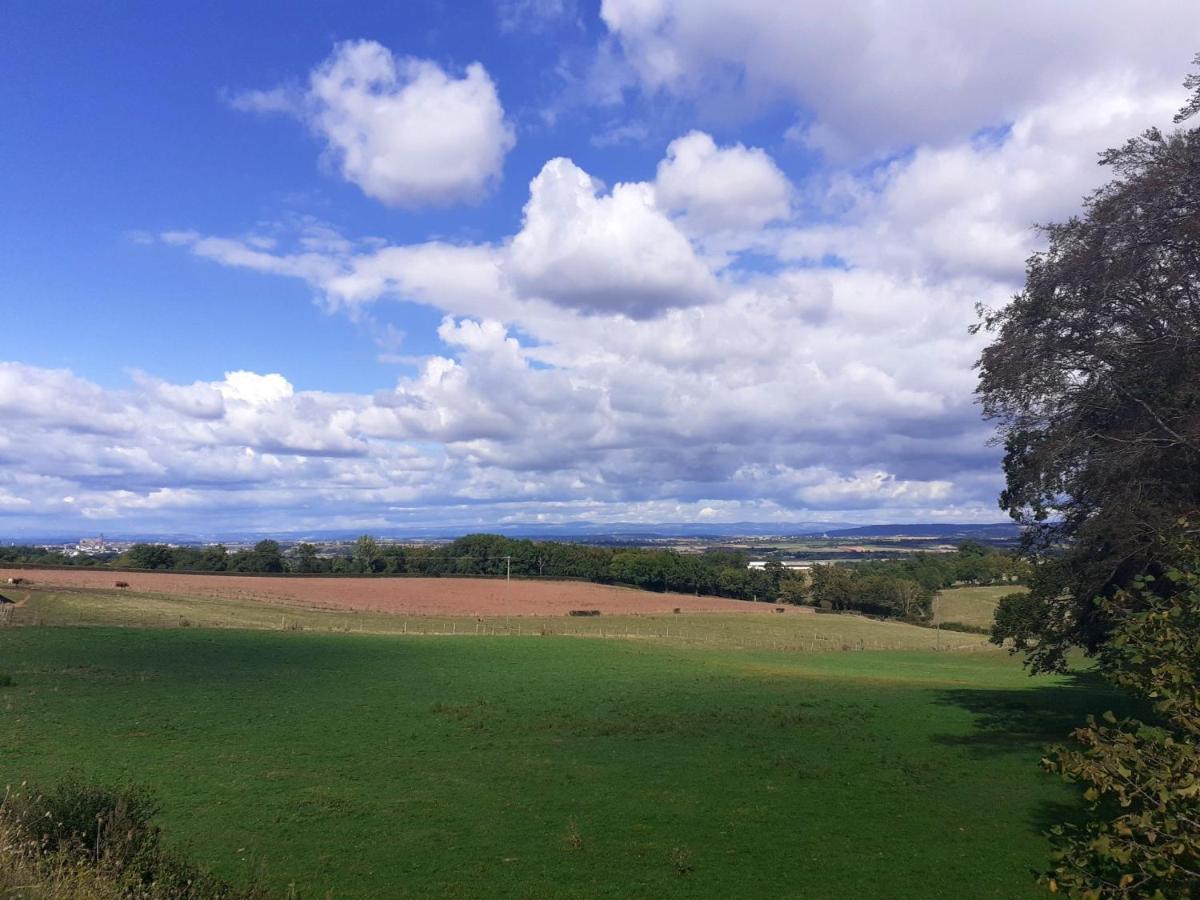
(1093, 379)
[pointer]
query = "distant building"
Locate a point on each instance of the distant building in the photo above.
(786, 563)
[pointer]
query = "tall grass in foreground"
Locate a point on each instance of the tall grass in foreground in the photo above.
(83, 841)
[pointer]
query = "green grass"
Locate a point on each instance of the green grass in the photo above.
(971, 605)
(388, 766)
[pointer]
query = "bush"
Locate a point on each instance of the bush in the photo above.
(1142, 779)
(6, 680)
(106, 836)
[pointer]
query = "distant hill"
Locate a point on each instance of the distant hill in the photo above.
(588, 531)
(944, 531)
(585, 531)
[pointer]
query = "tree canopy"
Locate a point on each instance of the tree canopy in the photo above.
(1093, 380)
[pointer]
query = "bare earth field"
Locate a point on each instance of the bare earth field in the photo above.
(408, 596)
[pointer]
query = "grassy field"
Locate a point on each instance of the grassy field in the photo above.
(543, 766)
(970, 605)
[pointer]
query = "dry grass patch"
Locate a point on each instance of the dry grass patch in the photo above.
(971, 605)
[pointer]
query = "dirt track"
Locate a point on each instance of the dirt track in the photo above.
(412, 596)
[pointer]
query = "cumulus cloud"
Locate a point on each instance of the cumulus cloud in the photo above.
(726, 189)
(405, 130)
(871, 78)
(874, 489)
(580, 248)
(598, 252)
(968, 207)
(713, 341)
(732, 406)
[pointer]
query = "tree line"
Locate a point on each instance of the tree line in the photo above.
(905, 588)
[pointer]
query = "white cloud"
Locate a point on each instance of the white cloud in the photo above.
(536, 16)
(872, 489)
(274, 100)
(255, 390)
(404, 130)
(968, 207)
(874, 77)
(715, 342)
(603, 253)
(726, 189)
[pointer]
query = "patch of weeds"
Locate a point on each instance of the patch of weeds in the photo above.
(573, 839)
(681, 861)
(786, 718)
(474, 716)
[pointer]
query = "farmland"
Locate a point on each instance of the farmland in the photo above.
(971, 605)
(412, 596)
(795, 630)
(740, 755)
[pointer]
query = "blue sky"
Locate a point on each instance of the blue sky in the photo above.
(118, 124)
(315, 265)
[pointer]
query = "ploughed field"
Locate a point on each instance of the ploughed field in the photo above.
(409, 596)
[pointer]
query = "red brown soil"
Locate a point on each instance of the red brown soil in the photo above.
(411, 596)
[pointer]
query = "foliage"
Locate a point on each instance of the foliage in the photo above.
(22, 554)
(77, 826)
(1093, 380)
(879, 590)
(149, 556)
(367, 559)
(266, 556)
(306, 561)
(1143, 779)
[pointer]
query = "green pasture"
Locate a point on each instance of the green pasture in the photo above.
(372, 765)
(971, 605)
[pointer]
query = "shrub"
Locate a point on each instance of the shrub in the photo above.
(104, 836)
(72, 813)
(6, 680)
(1142, 838)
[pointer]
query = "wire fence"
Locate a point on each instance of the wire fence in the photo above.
(684, 634)
(741, 632)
